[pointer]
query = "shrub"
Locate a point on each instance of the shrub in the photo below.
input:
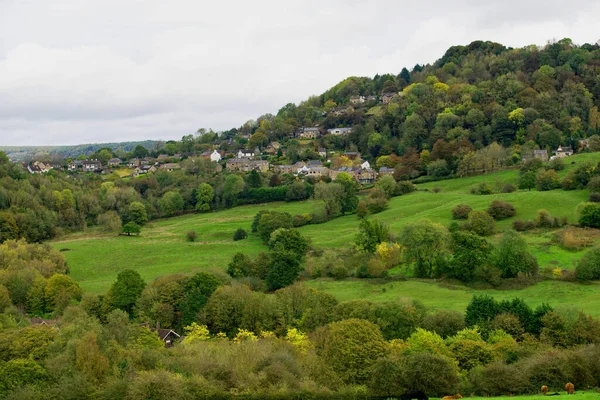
(444, 322)
(594, 184)
(589, 215)
(351, 347)
(589, 266)
(433, 374)
(288, 240)
(436, 190)
(461, 211)
(522, 226)
(481, 223)
(508, 188)
(531, 165)
(573, 239)
(570, 181)
(377, 201)
(556, 164)
(110, 222)
(240, 234)
(270, 222)
(387, 184)
(191, 236)
(405, 187)
(500, 210)
(483, 189)
(131, 228)
(319, 217)
(543, 219)
(594, 197)
(548, 180)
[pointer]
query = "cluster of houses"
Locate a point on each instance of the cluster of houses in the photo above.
(315, 132)
(560, 152)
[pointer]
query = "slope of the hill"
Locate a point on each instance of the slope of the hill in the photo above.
(162, 249)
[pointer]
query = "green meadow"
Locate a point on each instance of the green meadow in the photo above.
(96, 259)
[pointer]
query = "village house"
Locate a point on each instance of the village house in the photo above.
(147, 161)
(314, 163)
(283, 169)
(170, 167)
(541, 154)
(134, 162)
(92, 166)
(113, 162)
(273, 148)
(352, 155)
(340, 111)
(310, 133)
(163, 158)
(246, 165)
(386, 98)
(33, 169)
(205, 155)
(371, 98)
(246, 153)
(563, 152)
(386, 171)
(317, 171)
(144, 169)
(366, 175)
(215, 156)
(168, 336)
(357, 99)
(365, 165)
(298, 166)
(75, 165)
(322, 152)
(339, 131)
(333, 174)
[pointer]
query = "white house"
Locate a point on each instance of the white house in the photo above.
(365, 165)
(339, 131)
(215, 156)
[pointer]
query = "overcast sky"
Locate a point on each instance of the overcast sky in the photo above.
(91, 71)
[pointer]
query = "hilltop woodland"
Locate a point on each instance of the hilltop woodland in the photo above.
(252, 328)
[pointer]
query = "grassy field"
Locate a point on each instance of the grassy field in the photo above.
(95, 260)
(578, 395)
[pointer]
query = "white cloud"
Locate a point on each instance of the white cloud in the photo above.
(75, 71)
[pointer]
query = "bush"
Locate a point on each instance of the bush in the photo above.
(531, 165)
(110, 222)
(240, 234)
(481, 223)
(522, 226)
(271, 221)
(594, 197)
(319, 217)
(570, 181)
(131, 228)
(301, 220)
(461, 211)
(589, 215)
(548, 180)
(191, 236)
(405, 187)
(594, 184)
(556, 164)
(377, 201)
(543, 219)
(433, 374)
(444, 322)
(508, 188)
(500, 210)
(589, 266)
(483, 189)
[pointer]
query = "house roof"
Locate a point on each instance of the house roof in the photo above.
(310, 129)
(170, 166)
(164, 333)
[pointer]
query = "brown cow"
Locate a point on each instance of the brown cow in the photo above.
(545, 390)
(570, 388)
(455, 397)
